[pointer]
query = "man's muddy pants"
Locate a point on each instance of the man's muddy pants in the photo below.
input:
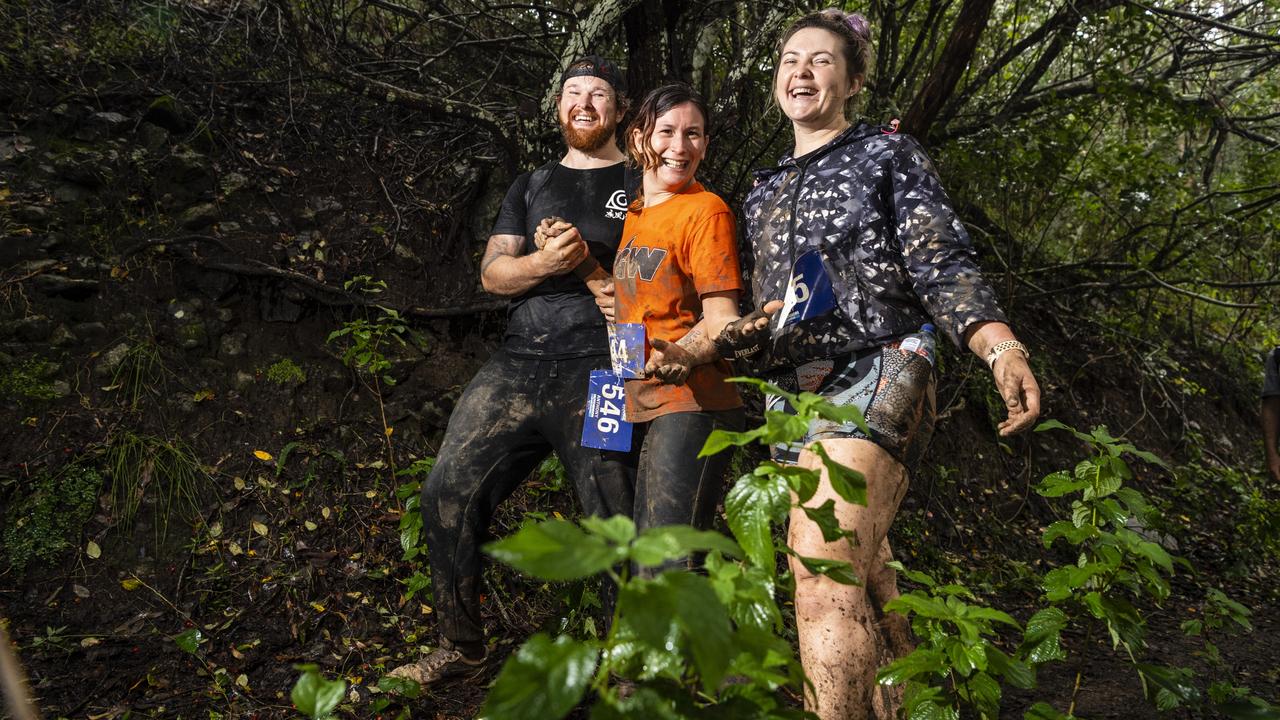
(514, 412)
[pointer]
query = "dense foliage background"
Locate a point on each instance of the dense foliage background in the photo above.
(195, 195)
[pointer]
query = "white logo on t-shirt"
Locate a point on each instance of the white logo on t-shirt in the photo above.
(616, 207)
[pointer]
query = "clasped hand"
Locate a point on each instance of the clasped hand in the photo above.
(559, 244)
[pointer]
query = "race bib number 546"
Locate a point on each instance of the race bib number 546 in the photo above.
(602, 426)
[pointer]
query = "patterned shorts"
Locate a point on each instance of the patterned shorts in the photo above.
(893, 386)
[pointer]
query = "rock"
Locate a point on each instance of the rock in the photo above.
(193, 335)
(13, 146)
(32, 215)
(226, 315)
(35, 266)
(216, 285)
(233, 344)
(185, 175)
(279, 305)
(85, 167)
(229, 227)
(110, 360)
(231, 182)
(62, 337)
(78, 289)
(90, 330)
(71, 193)
(244, 380)
(61, 388)
(199, 216)
(169, 113)
(33, 328)
(154, 138)
(112, 122)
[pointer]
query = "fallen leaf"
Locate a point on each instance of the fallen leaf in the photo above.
(389, 430)
(202, 395)
(310, 525)
(131, 584)
(234, 549)
(80, 591)
(242, 680)
(215, 529)
(371, 494)
(260, 528)
(324, 512)
(89, 642)
(92, 550)
(238, 483)
(263, 455)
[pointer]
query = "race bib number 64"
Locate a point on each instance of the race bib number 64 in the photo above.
(603, 426)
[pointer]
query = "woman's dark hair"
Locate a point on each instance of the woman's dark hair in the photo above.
(657, 103)
(852, 28)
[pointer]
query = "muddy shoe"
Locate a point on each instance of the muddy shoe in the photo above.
(439, 663)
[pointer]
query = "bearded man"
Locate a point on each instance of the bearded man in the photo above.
(551, 251)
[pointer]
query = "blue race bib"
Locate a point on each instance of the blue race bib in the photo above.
(602, 425)
(626, 349)
(809, 293)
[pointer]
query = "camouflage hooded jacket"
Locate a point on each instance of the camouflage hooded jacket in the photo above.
(870, 206)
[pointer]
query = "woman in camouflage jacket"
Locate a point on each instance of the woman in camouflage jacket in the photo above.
(854, 234)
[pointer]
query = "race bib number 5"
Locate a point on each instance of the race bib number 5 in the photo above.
(602, 425)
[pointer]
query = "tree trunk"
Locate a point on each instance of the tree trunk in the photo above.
(950, 66)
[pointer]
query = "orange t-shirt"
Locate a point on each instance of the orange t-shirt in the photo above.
(671, 255)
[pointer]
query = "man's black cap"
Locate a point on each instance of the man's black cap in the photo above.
(596, 66)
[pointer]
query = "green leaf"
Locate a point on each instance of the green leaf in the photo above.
(316, 697)
(1060, 483)
(928, 703)
(921, 661)
(848, 483)
(658, 545)
(1014, 671)
(647, 610)
(1055, 425)
(838, 570)
(189, 641)
(1045, 711)
(410, 530)
(1066, 529)
(802, 481)
(1042, 639)
(618, 529)
(824, 516)
(920, 604)
(1173, 687)
(543, 680)
(415, 584)
(1059, 583)
(1247, 709)
(984, 693)
(556, 550)
(751, 506)
(403, 687)
(284, 456)
(705, 623)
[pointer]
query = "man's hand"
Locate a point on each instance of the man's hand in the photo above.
(562, 253)
(668, 362)
(745, 336)
(548, 228)
(603, 292)
(1020, 391)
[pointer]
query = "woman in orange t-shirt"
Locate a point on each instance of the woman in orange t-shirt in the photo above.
(677, 273)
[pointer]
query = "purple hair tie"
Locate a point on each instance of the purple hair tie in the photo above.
(859, 25)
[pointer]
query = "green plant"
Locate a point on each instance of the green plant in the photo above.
(314, 696)
(1117, 566)
(957, 663)
(138, 463)
(676, 636)
(140, 372)
(285, 372)
(46, 519)
(29, 379)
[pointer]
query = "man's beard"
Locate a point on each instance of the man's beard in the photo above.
(587, 140)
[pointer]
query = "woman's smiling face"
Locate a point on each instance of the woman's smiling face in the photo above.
(812, 82)
(679, 140)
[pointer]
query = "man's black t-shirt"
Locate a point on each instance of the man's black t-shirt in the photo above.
(558, 317)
